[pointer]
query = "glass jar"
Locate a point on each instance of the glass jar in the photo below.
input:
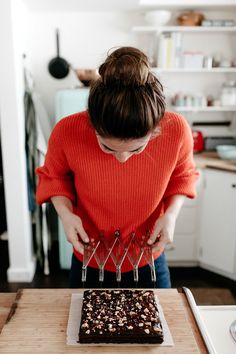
(228, 94)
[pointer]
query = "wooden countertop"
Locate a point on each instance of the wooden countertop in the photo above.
(6, 301)
(37, 323)
(211, 160)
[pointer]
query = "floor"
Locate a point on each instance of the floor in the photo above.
(207, 288)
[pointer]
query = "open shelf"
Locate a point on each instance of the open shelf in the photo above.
(196, 4)
(201, 70)
(205, 109)
(191, 29)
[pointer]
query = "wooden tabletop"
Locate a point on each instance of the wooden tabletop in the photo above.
(37, 323)
(212, 160)
(6, 301)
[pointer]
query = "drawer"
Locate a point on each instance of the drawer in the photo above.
(182, 249)
(186, 221)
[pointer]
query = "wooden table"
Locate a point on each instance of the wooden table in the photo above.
(6, 301)
(37, 323)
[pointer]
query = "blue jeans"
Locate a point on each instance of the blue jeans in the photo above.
(127, 278)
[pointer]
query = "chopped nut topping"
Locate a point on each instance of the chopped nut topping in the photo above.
(111, 313)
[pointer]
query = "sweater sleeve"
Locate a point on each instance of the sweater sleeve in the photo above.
(184, 176)
(55, 177)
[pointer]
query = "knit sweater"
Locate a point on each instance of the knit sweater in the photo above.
(107, 194)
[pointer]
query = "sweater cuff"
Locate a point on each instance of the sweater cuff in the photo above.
(183, 186)
(48, 188)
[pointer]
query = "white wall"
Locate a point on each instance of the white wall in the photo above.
(12, 39)
(85, 38)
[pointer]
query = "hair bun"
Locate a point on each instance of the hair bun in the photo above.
(126, 66)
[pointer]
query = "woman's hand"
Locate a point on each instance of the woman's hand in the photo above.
(74, 231)
(163, 232)
(72, 223)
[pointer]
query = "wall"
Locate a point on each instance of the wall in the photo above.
(12, 38)
(85, 38)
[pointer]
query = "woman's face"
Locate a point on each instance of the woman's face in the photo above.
(122, 150)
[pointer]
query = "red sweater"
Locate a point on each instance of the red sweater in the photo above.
(107, 194)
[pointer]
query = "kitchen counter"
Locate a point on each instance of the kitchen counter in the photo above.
(6, 301)
(37, 323)
(211, 160)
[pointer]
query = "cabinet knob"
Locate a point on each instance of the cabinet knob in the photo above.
(169, 248)
(234, 185)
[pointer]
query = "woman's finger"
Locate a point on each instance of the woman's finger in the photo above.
(80, 230)
(159, 247)
(74, 240)
(155, 235)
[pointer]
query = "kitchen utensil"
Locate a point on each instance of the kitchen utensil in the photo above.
(134, 254)
(86, 76)
(58, 67)
(147, 251)
(227, 152)
(148, 255)
(101, 255)
(232, 330)
(118, 254)
(198, 141)
(158, 17)
(89, 250)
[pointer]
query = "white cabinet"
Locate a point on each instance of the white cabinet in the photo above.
(217, 229)
(183, 251)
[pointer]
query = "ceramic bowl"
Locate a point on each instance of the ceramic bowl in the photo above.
(157, 18)
(227, 152)
(86, 76)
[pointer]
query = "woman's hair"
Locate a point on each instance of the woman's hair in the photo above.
(127, 101)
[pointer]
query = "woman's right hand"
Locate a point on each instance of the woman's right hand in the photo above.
(74, 230)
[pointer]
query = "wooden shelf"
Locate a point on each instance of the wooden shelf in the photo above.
(190, 29)
(205, 109)
(209, 4)
(186, 70)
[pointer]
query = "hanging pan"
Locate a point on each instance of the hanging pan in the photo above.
(58, 67)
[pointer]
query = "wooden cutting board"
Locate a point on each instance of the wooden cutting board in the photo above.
(37, 323)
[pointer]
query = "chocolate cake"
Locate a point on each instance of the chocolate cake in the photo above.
(120, 316)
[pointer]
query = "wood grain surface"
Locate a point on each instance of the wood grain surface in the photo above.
(38, 320)
(6, 301)
(212, 160)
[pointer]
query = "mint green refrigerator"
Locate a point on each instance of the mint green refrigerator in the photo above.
(68, 101)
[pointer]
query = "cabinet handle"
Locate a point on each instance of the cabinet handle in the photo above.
(171, 248)
(233, 185)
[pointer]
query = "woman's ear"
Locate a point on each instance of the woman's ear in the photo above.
(155, 133)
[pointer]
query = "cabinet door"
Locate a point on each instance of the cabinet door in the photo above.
(218, 221)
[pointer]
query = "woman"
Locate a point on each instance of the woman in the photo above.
(124, 164)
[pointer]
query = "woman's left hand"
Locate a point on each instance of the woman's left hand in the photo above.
(163, 232)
